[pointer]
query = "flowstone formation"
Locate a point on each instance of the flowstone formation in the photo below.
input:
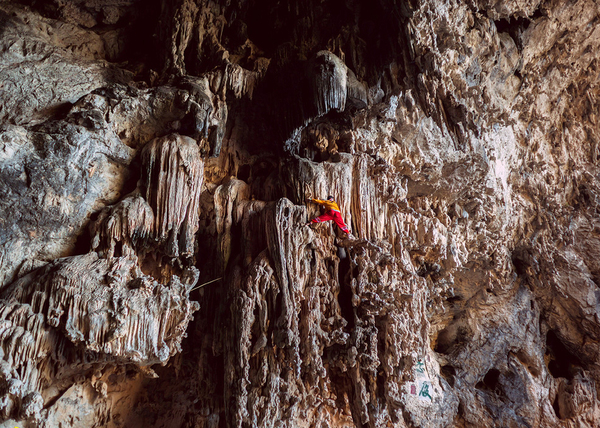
(156, 268)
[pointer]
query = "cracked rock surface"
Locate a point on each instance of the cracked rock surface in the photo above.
(156, 266)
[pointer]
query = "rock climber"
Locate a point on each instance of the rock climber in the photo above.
(332, 212)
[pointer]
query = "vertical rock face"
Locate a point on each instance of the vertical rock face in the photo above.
(156, 268)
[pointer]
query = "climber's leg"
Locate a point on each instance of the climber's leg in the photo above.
(323, 217)
(337, 218)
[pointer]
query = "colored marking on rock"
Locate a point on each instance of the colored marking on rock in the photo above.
(425, 391)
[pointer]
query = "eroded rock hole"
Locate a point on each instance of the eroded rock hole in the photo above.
(60, 111)
(449, 338)
(460, 412)
(83, 242)
(118, 249)
(519, 262)
(454, 299)
(556, 407)
(445, 340)
(561, 362)
(491, 382)
(515, 27)
(491, 378)
(380, 383)
(426, 268)
(528, 362)
(448, 373)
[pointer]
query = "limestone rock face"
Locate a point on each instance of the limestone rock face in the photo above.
(36, 55)
(156, 266)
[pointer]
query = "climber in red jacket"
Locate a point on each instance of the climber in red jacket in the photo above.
(332, 212)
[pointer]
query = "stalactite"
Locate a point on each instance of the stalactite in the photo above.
(127, 224)
(173, 180)
(329, 80)
(104, 301)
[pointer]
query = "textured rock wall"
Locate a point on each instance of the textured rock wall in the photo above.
(148, 148)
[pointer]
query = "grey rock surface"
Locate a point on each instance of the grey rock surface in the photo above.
(37, 54)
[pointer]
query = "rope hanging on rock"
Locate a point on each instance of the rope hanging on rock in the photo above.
(206, 283)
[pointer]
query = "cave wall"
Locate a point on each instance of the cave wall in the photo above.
(155, 265)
